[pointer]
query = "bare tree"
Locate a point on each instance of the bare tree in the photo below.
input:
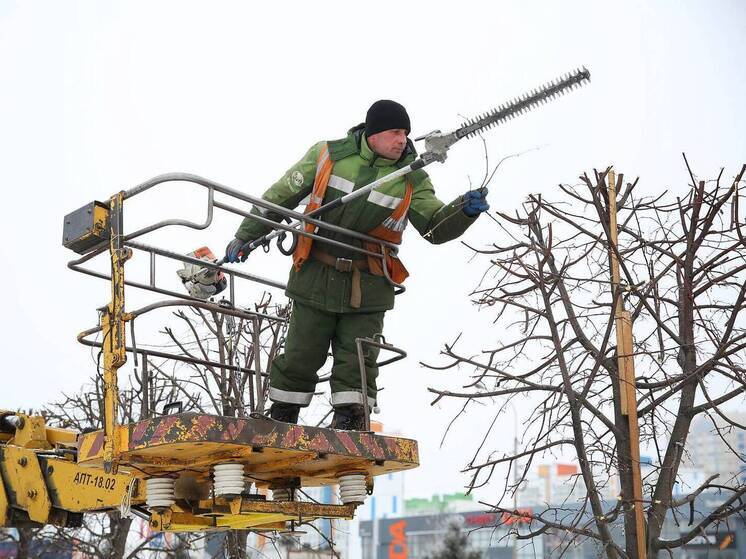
(99, 535)
(224, 372)
(105, 536)
(227, 372)
(236, 347)
(683, 279)
(22, 539)
(240, 351)
(455, 545)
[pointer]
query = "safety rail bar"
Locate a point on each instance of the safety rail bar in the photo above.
(381, 344)
(301, 218)
(255, 405)
(256, 384)
(217, 187)
(212, 187)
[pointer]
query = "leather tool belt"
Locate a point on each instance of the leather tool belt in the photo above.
(345, 265)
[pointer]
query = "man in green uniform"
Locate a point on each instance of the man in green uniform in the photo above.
(335, 297)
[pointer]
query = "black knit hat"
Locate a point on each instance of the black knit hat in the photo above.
(386, 115)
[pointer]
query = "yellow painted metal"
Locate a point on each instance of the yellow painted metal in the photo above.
(86, 227)
(100, 219)
(111, 390)
(62, 437)
(285, 463)
(123, 435)
(4, 503)
(273, 452)
(89, 449)
(244, 514)
(32, 432)
(113, 328)
(85, 445)
(164, 521)
(25, 481)
(170, 458)
(45, 486)
(78, 489)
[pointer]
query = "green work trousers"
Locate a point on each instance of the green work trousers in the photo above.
(293, 375)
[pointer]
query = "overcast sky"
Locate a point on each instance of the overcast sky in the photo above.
(99, 96)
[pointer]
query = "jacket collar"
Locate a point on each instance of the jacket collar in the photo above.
(375, 160)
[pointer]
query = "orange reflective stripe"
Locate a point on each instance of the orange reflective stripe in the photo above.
(403, 207)
(321, 181)
(393, 226)
(391, 230)
(322, 159)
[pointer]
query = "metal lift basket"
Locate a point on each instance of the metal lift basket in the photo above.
(186, 471)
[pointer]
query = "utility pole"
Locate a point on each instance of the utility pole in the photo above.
(626, 369)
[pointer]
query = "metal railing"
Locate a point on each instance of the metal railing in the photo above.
(379, 342)
(131, 241)
(231, 273)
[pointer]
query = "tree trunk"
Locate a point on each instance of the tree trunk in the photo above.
(25, 537)
(687, 360)
(236, 544)
(120, 529)
(624, 459)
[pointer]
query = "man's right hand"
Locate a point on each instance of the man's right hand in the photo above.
(475, 202)
(233, 251)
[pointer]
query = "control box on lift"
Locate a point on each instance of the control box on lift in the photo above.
(86, 227)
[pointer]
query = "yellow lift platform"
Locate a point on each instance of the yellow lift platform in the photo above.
(51, 476)
(185, 471)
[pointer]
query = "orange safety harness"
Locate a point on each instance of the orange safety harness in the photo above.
(390, 230)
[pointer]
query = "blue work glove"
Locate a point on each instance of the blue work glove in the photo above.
(233, 251)
(475, 202)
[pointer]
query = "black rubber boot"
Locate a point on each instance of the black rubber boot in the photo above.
(287, 413)
(349, 418)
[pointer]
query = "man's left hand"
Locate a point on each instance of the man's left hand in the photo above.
(475, 202)
(233, 251)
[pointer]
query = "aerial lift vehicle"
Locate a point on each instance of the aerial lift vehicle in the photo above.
(183, 471)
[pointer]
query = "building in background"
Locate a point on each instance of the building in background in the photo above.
(415, 537)
(559, 483)
(439, 504)
(723, 454)
(388, 526)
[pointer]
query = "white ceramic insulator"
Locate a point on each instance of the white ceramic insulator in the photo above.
(228, 479)
(159, 492)
(352, 488)
(282, 494)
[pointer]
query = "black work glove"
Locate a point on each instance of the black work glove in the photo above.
(233, 251)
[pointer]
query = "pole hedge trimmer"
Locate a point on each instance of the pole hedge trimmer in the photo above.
(438, 143)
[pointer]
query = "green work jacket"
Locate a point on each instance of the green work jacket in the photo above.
(355, 165)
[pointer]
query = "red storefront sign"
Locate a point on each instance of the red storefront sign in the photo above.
(491, 519)
(398, 543)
